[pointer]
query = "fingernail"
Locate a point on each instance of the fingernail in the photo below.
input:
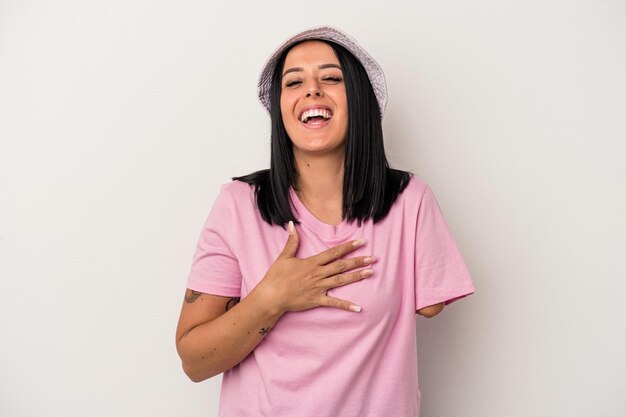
(366, 272)
(358, 242)
(369, 259)
(355, 308)
(291, 228)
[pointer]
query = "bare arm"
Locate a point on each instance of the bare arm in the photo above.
(431, 311)
(215, 333)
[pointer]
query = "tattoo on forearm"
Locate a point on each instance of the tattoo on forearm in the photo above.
(264, 330)
(191, 296)
(232, 302)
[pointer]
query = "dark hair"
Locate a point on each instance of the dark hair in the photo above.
(370, 185)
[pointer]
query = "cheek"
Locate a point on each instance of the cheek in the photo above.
(341, 99)
(286, 113)
(287, 98)
(343, 104)
(286, 105)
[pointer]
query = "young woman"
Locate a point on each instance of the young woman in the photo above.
(308, 275)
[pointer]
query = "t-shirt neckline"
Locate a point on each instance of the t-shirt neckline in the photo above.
(328, 232)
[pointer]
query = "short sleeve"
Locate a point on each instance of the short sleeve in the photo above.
(215, 269)
(440, 271)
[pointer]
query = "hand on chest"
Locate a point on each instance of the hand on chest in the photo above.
(380, 295)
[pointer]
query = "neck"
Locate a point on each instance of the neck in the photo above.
(320, 178)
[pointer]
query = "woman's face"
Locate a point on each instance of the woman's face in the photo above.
(313, 100)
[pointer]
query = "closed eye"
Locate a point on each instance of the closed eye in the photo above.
(332, 79)
(292, 83)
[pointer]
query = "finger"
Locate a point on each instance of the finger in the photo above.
(341, 265)
(345, 279)
(340, 304)
(293, 240)
(337, 252)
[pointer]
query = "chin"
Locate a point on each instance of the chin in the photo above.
(318, 143)
(320, 148)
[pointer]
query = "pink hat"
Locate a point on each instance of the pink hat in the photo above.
(374, 72)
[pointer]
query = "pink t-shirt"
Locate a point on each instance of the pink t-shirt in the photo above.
(327, 362)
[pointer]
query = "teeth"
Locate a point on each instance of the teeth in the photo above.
(326, 114)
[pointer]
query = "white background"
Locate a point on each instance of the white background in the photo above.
(119, 120)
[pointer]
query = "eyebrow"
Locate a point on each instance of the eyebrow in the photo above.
(321, 66)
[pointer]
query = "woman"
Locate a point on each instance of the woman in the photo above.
(307, 276)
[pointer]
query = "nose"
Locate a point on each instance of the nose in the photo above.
(313, 89)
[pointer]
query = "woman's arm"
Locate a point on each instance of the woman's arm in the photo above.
(431, 311)
(215, 333)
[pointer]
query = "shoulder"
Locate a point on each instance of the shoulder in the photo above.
(415, 190)
(237, 188)
(233, 196)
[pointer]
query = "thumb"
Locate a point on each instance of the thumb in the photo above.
(291, 247)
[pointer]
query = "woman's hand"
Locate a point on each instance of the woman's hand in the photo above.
(214, 333)
(294, 284)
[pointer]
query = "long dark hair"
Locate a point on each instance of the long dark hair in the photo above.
(370, 185)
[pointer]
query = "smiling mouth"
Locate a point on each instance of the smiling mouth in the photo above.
(316, 115)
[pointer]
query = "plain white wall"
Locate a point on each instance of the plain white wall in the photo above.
(119, 121)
